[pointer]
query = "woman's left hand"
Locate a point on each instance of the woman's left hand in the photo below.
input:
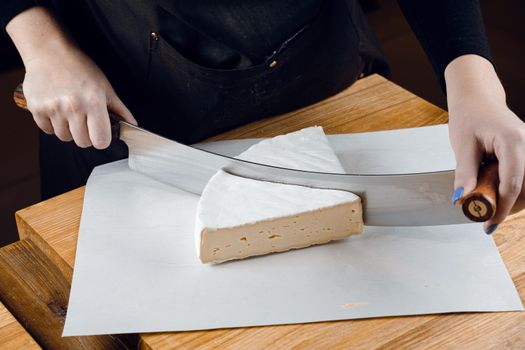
(480, 125)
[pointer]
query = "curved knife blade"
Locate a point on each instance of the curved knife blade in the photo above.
(419, 199)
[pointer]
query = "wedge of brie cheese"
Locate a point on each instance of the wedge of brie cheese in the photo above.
(239, 217)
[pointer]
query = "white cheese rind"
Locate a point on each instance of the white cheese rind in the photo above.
(239, 217)
(306, 149)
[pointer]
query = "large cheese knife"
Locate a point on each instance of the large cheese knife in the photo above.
(417, 199)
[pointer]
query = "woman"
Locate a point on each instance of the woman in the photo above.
(189, 70)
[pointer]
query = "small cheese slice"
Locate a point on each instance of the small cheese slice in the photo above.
(239, 217)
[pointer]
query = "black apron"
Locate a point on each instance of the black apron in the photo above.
(176, 97)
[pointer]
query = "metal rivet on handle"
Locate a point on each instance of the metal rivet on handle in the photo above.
(154, 36)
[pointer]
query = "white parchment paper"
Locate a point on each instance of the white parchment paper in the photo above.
(136, 268)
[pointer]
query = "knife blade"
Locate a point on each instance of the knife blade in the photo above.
(420, 199)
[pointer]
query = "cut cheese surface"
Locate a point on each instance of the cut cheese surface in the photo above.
(239, 217)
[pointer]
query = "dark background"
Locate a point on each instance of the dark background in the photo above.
(505, 23)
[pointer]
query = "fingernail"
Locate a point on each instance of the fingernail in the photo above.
(491, 229)
(457, 194)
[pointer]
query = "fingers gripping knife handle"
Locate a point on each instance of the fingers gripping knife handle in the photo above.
(480, 204)
(21, 102)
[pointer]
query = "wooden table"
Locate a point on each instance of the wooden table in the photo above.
(50, 229)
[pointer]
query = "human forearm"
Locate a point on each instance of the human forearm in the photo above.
(472, 75)
(35, 32)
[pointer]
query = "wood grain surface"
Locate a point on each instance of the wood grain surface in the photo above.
(37, 293)
(12, 334)
(371, 104)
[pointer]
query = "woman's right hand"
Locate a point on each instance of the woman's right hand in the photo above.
(66, 92)
(69, 96)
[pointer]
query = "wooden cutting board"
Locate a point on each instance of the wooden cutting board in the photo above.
(373, 103)
(12, 334)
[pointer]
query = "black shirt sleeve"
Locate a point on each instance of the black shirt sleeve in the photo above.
(447, 29)
(11, 8)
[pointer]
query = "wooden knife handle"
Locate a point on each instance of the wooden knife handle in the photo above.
(480, 205)
(20, 100)
(19, 97)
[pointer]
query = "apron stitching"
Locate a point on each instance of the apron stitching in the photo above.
(285, 44)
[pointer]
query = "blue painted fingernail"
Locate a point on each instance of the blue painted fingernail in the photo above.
(457, 195)
(491, 229)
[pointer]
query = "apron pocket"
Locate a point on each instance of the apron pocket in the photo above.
(190, 102)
